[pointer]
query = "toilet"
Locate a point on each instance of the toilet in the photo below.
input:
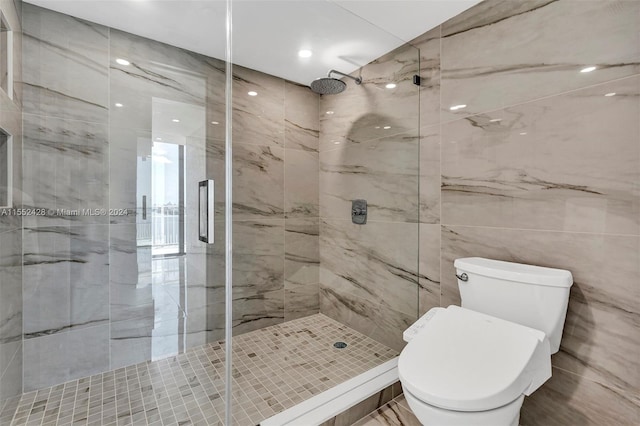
(474, 364)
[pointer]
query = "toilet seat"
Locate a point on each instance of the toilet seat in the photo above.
(467, 361)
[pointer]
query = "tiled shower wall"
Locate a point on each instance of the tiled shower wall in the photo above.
(93, 299)
(540, 167)
(11, 225)
(369, 149)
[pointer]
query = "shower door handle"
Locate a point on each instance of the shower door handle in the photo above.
(205, 211)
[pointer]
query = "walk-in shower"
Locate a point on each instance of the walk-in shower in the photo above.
(114, 294)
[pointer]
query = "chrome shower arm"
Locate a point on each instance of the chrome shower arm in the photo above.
(357, 80)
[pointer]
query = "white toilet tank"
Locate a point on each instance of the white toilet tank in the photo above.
(529, 295)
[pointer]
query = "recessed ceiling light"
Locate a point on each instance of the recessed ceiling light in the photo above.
(523, 133)
(215, 122)
(386, 127)
(119, 105)
(329, 112)
(123, 61)
(588, 69)
(390, 86)
(456, 107)
(495, 120)
(611, 94)
(377, 127)
(336, 142)
(175, 120)
(304, 53)
(252, 93)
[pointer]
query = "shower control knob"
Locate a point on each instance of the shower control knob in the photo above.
(359, 212)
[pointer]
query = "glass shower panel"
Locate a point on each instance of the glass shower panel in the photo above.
(318, 299)
(120, 125)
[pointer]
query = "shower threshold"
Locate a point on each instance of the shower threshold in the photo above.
(340, 399)
(275, 368)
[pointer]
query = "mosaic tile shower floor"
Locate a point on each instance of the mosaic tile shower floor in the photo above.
(273, 369)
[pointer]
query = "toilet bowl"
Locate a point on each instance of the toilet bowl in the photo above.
(465, 367)
(468, 368)
(433, 416)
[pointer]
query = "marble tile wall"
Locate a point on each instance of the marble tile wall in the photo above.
(370, 149)
(11, 312)
(276, 207)
(66, 167)
(542, 166)
(90, 123)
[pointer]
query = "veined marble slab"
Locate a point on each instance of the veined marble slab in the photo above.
(567, 163)
(66, 66)
(258, 184)
(66, 168)
(376, 262)
(301, 183)
(301, 117)
(382, 171)
(259, 119)
(502, 52)
(301, 267)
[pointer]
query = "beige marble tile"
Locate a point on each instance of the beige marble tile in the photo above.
(253, 310)
(429, 45)
(11, 383)
(11, 295)
(567, 399)
(376, 262)
(69, 355)
(430, 174)
(302, 260)
(258, 255)
(301, 301)
(375, 321)
(302, 123)
(382, 171)
(395, 413)
(66, 66)
(429, 267)
(362, 112)
(549, 164)
(500, 52)
(601, 337)
(361, 409)
(301, 184)
(161, 84)
(258, 182)
(258, 120)
(65, 166)
(215, 169)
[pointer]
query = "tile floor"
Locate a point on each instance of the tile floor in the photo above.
(273, 369)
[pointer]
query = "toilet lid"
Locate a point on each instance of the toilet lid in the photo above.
(467, 361)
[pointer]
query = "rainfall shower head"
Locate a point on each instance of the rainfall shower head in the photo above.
(331, 86)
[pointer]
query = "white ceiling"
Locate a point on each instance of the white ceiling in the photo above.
(267, 34)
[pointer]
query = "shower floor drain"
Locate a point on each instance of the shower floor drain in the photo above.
(340, 345)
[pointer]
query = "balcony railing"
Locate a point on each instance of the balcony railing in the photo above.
(159, 230)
